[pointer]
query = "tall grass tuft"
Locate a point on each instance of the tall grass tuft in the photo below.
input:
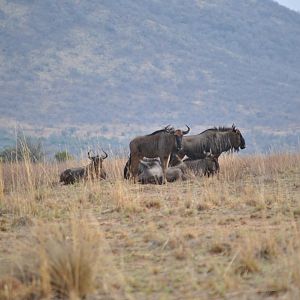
(64, 261)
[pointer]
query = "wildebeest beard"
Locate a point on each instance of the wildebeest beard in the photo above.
(243, 144)
(178, 143)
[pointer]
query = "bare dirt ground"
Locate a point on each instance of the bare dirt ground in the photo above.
(233, 236)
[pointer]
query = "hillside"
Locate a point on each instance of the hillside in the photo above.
(79, 69)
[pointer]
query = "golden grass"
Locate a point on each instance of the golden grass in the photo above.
(233, 236)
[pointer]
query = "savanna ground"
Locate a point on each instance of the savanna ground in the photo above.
(233, 236)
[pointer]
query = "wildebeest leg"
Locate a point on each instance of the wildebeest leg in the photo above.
(165, 163)
(134, 167)
(126, 170)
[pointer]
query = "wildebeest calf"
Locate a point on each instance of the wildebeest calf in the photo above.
(93, 170)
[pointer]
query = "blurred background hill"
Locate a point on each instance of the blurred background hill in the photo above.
(78, 72)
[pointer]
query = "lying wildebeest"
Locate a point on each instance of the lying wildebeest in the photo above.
(214, 140)
(150, 171)
(206, 166)
(93, 170)
(177, 173)
(160, 143)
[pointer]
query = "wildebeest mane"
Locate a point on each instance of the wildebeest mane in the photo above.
(166, 129)
(219, 129)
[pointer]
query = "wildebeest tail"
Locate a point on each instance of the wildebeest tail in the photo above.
(127, 168)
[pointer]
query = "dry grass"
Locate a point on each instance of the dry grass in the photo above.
(235, 236)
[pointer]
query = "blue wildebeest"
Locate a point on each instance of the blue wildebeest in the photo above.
(205, 166)
(160, 143)
(93, 170)
(214, 140)
(150, 171)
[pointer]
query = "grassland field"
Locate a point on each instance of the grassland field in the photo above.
(231, 236)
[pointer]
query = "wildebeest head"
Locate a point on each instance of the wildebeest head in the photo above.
(178, 133)
(238, 140)
(97, 160)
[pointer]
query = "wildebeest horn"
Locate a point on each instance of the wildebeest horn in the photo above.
(89, 154)
(233, 127)
(105, 156)
(187, 131)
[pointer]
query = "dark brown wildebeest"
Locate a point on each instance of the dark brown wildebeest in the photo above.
(160, 143)
(93, 170)
(214, 140)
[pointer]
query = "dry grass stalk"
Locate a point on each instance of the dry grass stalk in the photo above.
(232, 232)
(67, 262)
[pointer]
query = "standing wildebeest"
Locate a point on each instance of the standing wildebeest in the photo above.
(214, 140)
(92, 170)
(160, 144)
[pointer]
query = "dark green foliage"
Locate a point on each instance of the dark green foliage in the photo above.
(62, 156)
(26, 148)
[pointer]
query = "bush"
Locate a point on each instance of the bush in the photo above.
(63, 156)
(26, 149)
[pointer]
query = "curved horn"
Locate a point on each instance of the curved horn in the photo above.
(89, 156)
(233, 127)
(187, 131)
(105, 156)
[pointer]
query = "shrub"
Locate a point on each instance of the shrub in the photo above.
(62, 156)
(26, 149)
